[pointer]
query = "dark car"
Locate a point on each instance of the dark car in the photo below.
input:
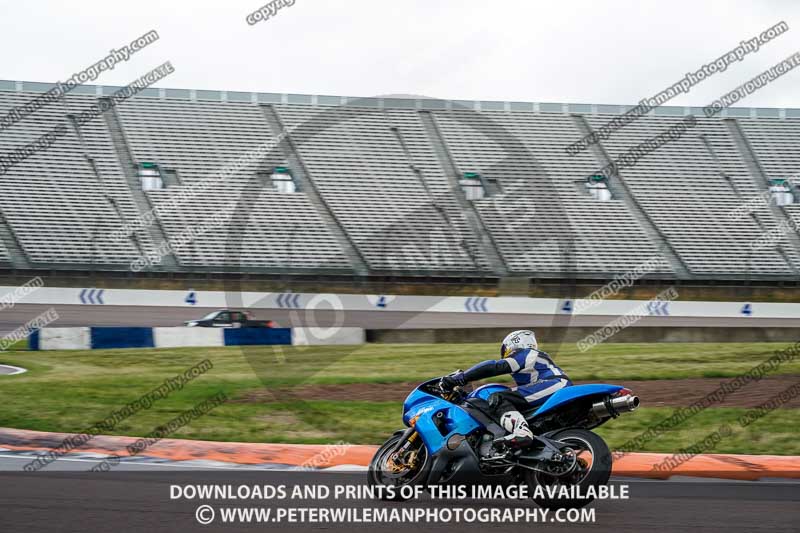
(226, 318)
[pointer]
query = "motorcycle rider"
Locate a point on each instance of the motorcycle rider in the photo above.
(535, 374)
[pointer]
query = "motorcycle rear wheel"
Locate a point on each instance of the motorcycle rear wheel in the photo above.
(593, 468)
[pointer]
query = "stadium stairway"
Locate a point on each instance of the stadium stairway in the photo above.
(620, 190)
(488, 245)
(16, 254)
(295, 162)
(760, 183)
(360, 169)
(128, 164)
(135, 237)
(425, 164)
(443, 208)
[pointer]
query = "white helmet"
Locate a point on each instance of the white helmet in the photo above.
(518, 340)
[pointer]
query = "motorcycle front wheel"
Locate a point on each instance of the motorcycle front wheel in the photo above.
(387, 469)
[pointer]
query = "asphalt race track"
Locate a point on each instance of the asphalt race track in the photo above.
(136, 498)
(112, 315)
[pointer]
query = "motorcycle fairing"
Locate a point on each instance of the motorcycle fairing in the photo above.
(568, 394)
(453, 419)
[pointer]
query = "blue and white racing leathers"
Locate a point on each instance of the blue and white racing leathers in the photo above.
(536, 375)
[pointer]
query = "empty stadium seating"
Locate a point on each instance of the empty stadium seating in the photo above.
(378, 188)
(270, 230)
(59, 210)
(686, 194)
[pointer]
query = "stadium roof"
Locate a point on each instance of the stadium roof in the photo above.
(400, 102)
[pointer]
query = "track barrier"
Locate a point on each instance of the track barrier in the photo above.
(86, 338)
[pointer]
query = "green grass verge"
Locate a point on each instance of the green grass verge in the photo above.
(69, 390)
(19, 345)
(287, 365)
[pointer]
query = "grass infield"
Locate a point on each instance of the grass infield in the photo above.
(68, 391)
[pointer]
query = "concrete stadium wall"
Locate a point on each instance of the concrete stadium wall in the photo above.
(574, 334)
(756, 290)
(402, 303)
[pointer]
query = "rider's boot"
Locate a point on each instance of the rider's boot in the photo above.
(520, 435)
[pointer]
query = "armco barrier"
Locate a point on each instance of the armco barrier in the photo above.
(85, 338)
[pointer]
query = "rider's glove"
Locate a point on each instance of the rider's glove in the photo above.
(456, 379)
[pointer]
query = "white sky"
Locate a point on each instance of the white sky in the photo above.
(543, 51)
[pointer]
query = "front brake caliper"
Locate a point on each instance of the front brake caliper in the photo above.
(411, 460)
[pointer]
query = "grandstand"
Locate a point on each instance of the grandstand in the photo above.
(395, 187)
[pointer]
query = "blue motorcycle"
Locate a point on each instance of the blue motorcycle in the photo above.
(454, 437)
